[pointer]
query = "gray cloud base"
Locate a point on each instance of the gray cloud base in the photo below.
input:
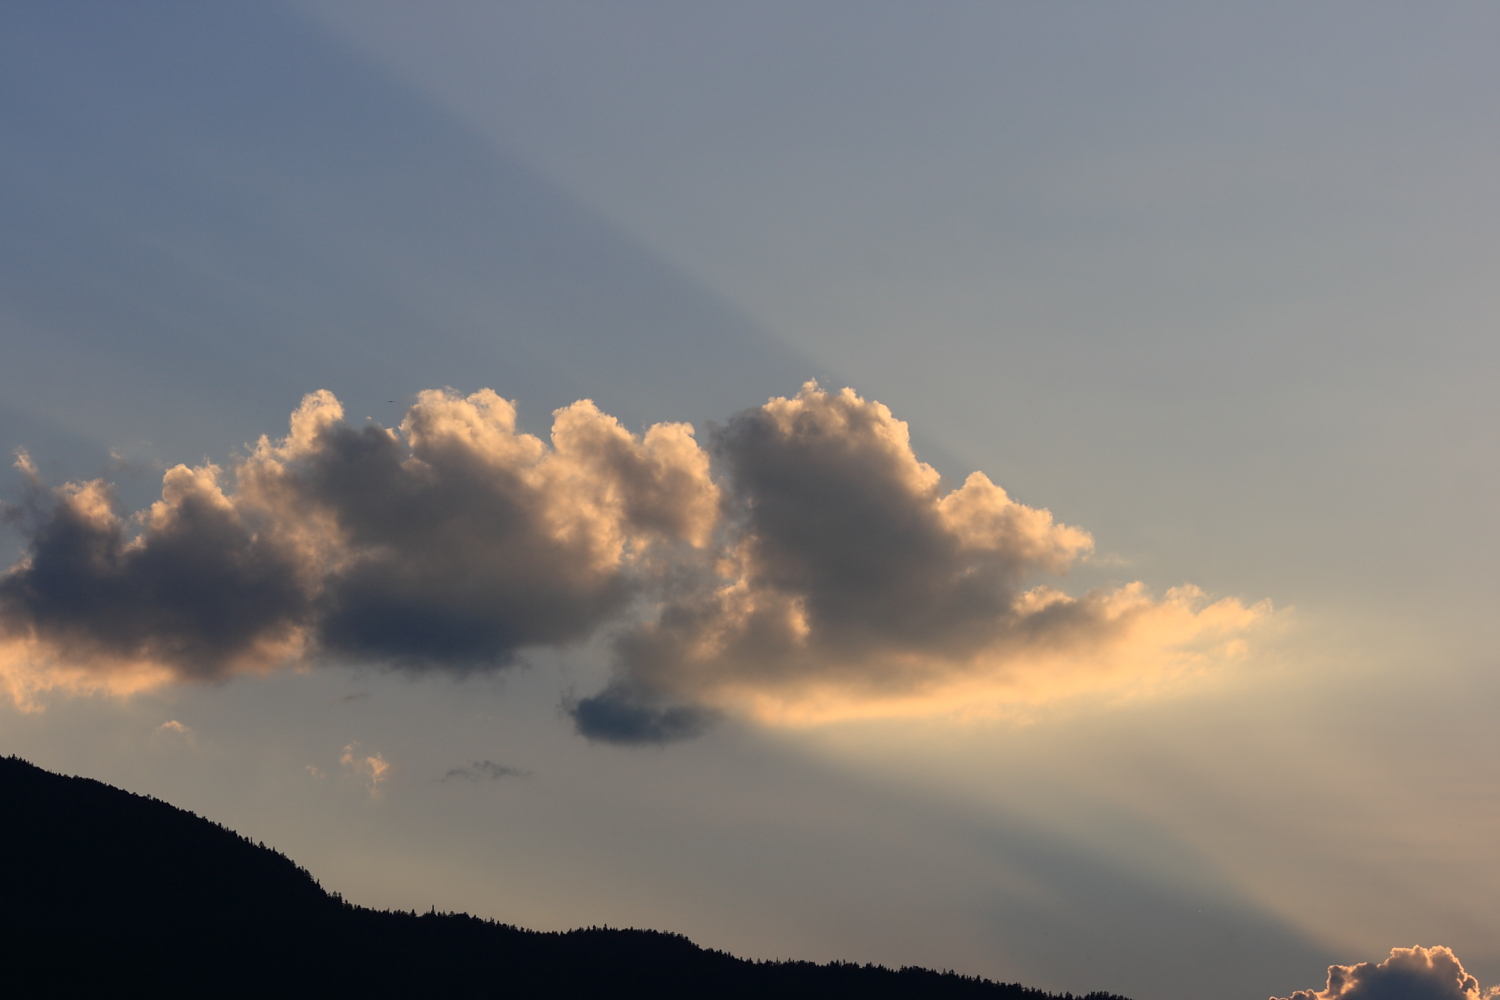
(622, 713)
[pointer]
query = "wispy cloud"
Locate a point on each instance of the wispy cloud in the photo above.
(804, 566)
(175, 731)
(476, 769)
(1415, 973)
(372, 767)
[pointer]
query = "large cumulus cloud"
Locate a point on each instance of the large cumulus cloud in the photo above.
(805, 565)
(1415, 973)
(851, 582)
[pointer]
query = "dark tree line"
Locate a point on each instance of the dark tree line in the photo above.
(106, 893)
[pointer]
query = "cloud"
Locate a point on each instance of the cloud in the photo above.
(476, 769)
(805, 566)
(467, 540)
(622, 714)
(175, 731)
(851, 584)
(372, 766)
(1415, 973)
(452, 541)
(194, 590)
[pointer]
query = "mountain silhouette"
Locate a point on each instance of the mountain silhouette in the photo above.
(110, 893)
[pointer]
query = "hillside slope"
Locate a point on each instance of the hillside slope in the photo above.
(104, 892)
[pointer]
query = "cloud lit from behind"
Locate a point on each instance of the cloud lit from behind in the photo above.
(1415, 973)
(804, 566)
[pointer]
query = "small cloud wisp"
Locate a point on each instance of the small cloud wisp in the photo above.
(476, 769)
(175, 732)
(372, 767)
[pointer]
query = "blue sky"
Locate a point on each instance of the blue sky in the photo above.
(1212, 283)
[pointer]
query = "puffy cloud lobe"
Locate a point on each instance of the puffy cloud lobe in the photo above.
(1415, 973)
(815, 569)
(469, 541)
(195, 591)
(852, 584)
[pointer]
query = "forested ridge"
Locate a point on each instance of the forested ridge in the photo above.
(106, 892)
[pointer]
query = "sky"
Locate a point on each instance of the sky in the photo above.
(996, 487)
